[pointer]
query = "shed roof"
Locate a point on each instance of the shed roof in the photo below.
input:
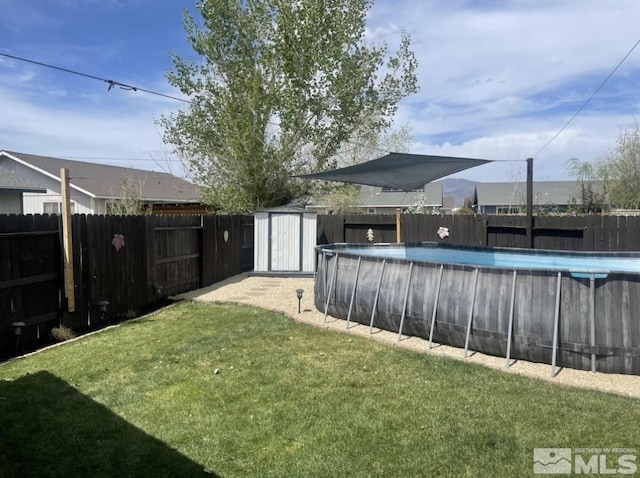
(286, 209)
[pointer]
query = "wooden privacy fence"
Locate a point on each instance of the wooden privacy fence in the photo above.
(581, 233)
(30, 277)
(133, 261)
(124, 263)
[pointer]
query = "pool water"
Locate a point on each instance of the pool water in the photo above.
(556, 261)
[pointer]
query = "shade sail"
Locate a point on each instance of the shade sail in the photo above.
(399, 170)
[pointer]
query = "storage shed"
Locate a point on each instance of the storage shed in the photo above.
(284, 241)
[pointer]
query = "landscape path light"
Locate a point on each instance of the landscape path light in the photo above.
(17, 331)
(103, 305)
(299, 293)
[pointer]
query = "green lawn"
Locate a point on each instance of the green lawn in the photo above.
(144, 399)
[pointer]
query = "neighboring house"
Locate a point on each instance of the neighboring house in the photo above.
(378, 200)
(12, 188)
(511, 198)
(94, 186)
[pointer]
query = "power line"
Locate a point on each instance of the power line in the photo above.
(111, 83)
(588, 99)
(103, 158)
(124, 86)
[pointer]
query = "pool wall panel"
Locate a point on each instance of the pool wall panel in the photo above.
(617, 304)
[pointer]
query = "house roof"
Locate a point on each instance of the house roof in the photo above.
(14, 181)
(104, 181)
(374, 196)
(513, 194)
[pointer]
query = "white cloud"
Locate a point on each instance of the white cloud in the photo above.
(498, 80)
(86, 133)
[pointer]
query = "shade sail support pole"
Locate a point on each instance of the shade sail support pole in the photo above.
(530, 203)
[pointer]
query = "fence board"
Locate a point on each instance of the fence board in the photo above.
(177, 253)
(330, 229)
(582, 233)
(30, 276)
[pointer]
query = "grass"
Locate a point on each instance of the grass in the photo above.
(144, 399)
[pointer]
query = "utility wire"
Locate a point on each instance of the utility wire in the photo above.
(111, 83)
(108, 158)
(124, 86)
(588, 99)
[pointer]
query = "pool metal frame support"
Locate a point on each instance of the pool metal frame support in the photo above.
(511, 316)
(375, 302)
(353, 291)
(556, 323)
(435, 306)
(592, 301)
(473, 300)
(406, 299)
(331, 287)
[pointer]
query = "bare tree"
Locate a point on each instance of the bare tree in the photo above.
(129, 202)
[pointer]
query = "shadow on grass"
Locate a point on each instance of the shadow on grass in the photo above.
(49, 429)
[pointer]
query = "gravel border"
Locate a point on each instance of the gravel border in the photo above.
(279, 294)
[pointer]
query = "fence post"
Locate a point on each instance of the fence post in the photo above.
(67, 241)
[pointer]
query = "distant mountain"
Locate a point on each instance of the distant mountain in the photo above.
(458, 189)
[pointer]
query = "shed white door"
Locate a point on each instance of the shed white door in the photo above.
(285, 242)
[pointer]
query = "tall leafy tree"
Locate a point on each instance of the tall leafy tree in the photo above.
(614, 179)
(278, 87)
(623, 170)
(593, 178)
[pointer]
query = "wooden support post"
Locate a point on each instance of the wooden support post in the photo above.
(398, 225)
(67, 243)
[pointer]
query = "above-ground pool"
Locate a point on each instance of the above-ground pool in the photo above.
(567, 309)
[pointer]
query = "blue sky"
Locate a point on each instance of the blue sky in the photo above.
(498, 79)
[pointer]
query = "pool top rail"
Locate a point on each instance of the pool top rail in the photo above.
(574, 262)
